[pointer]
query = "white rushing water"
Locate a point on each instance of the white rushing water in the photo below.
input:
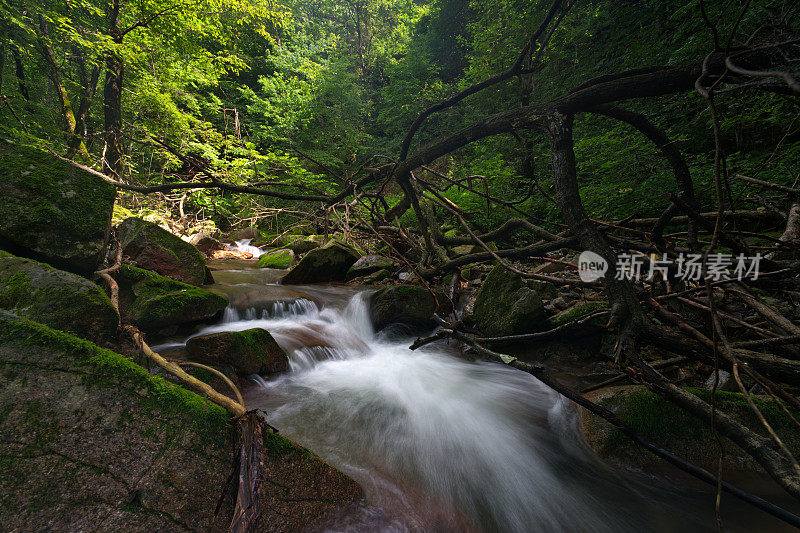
(243, 245)
(437, 442)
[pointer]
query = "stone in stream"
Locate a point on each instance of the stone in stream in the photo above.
(409, 305)
(252, 351)
(369, 264)
(245, 233)
(60, 299)
(204, 242)
(276, 259)
(153, 302)
(91, 439)
(53, 211)
(670, 426)
(303, 245)
(151, 247)
(326, 264)
(506, 306)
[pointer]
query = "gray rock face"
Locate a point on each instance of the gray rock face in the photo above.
(148, 246)
(506, 306)
(252, 351)
(407, 304)
(326, 264)
(205, 242)
(52, 211)
(60, 299)
(91, 439)
(369, 264)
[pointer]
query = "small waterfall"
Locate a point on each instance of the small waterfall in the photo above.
(243, 245)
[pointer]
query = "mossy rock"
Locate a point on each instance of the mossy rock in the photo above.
(153, 302)
(369, 264)
(52, 211)
(151, 247)
(327, 264)
(276, 259)
(245, 233)
(409, 305)
(577, 312)
(57, 298)
(506, 306)
(252, 351)
(302, 246)
(88, 433)
(671, 427)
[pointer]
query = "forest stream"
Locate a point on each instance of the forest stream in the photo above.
(440, 443)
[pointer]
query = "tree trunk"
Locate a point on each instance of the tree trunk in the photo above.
(114, 152)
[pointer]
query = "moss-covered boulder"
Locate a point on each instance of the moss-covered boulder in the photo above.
(276, 259)
(154, 302)
(148, 246)
(671, 427)
(91, 440)
(245, 233)
(252, 351)
(60, 299)
(303, 245)
(506, 306)
(53, 211)
(326, 264)
(369, 264)
(409, 305)
(577, 312)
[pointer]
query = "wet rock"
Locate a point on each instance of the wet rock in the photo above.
(671, 427)
(88, 435)
(52, 211)
(252, 351)
(326, 264)
(369, 264)
(148, 246)
(506, 306)
(205, 242)
(276, 259)
(231, 254)
(406, 304)
(154, 302)
(246, 233)
(59, 299)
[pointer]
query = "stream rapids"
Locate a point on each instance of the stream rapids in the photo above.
(437, 442)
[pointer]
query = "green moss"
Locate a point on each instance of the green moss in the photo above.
(276, 259)
(276, 445)
(577, 312)
(110, 370)
(505, 306)
(661, 421)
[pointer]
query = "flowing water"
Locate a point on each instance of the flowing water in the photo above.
(437, 442)
(243, 245)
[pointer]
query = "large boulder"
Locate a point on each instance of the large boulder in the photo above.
(276, 259)
(153, 302)
(303, 245)
(205, 242)
(59, 299)
(252, 351)
(506, 306)
(329, 263)
(148, 246)
(53, 211)
(245, 233)
(91, 439)
(369, 264)
(409, 305)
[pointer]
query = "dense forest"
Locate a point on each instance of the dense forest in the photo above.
(602, 194)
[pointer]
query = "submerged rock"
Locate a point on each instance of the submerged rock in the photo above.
(506, 306)
(406, 304)
(148, 246)
(369, 264)
(53, 211)
(276, 259)
(59, 299)
(329, 263)
(154, 302)
(91, 438)
(252, 351)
